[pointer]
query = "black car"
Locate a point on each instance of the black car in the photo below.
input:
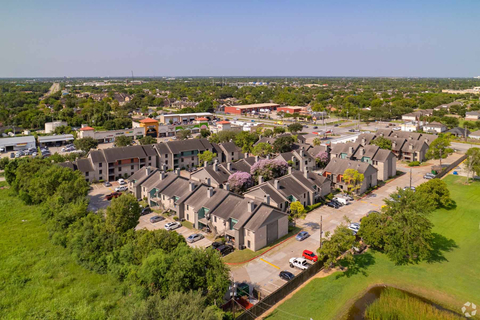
(315, 127)
(333, 205)
(225, 249)
(145, 211)
(216, 245)
(285, 275)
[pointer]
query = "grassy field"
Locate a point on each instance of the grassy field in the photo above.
(450, 279)
(395, 304)
(42, 281)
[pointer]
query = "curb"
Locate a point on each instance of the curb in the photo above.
(246, 261)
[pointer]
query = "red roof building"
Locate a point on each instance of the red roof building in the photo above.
(86, 129)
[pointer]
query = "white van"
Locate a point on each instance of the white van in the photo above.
(341, 200)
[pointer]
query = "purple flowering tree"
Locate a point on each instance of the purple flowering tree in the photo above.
(240, 181)
(269, 169)
(322, 159)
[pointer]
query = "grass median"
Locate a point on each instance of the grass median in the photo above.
(451, 278)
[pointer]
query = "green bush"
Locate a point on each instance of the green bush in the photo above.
(313, 206)
(414, 164)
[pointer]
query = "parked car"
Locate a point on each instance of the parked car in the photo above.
(121, 188)
(286, 275)
(307, 254)
(411, 188)
(145, 211)
(216, 244)
(337, 202)
(335, 125)
(113, 195)
(333, 204)
(341, 200)
(12, 155)
(315, 127)
(2, 149)
(225, 249)
(300, 263)
(428, 176)
(194, 237)
(156, 219)
(302, 235)
(351, 130)
(107, 184)
(172, 225)
(347, 196)
(121, 182)
(354, 226)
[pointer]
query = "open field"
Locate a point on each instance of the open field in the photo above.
(42, 281)
(451, 278)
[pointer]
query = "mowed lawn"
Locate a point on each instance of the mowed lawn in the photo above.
(451, 280)
(42, 281)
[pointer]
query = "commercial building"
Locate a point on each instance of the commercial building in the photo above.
(17, 143)
(51, 126)
(55, 140)
(110, 135)
(292, 110)
(183, 118)
(149, 126)
(251, 108)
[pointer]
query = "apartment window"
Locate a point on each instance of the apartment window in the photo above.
(149, 158)
(187, 207)
(215, 218)
(232, 159)
(166, 161)
(132, 167)
(182, 159)
(100, 172)
(306, 161)
(86, 174)
(100, 165)
(248, 244)
(120, 169)
(193, 159)
(232, 153)
(188, 216)
(119, 161)
(280, 206)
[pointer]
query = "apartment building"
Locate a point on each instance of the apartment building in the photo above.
(335, 170)
(182, 153)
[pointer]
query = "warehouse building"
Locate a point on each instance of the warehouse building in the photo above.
(55, 140)
(251, 108)
(17, 143)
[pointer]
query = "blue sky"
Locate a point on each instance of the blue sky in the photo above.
(240, 38)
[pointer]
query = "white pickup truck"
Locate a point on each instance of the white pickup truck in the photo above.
(300, 263)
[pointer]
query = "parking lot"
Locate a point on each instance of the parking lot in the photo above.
(263, 271)
(145, 223)
(97, 195)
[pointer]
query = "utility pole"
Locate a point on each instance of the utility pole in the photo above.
(321, 230)
(410, 178)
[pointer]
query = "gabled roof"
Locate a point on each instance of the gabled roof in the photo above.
(382, 155)
(340, 148)
(199, 198)
(263, 216)
(369, 151)
(435, 124)
(131, 152)
(397, 143)
(338, 166)
(230, 147)
(417, 145)
(367, 136)
(178, 146)
(142, 174)
(84, 165)
(97, 156)
(223, 122)
(86, 129)
(67, 164)
(148, 120)
(383, 132)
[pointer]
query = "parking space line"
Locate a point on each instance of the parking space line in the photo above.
(269, 263)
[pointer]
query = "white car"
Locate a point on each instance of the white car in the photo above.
(300, 263)
(2, 149)
(121, 182)
(354, 226)
(172, 225)
(121, 188)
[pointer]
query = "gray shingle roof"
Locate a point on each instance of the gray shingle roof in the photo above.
(131, 152)
(263, 216)
(230, 147)
(338, 166)
(97, 156)
(84, 165)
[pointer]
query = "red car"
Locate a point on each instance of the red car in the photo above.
(113, 195)
(309, 255)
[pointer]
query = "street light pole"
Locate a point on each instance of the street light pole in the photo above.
(410, 178)
(321, 230)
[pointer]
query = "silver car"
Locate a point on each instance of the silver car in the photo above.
(194, 237)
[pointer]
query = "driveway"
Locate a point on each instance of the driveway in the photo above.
(144, 223)
(97, 195)
(262, 272)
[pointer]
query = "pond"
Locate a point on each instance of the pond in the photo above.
(357, 311)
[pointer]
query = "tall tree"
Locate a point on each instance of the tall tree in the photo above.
(123, 141)
(184, 134)
(382, 143)
(283, 144)
(85, 144)
(338, 245)
(122, 214)
(147, 140)
(295, 127)
(472, 163)
(207, 156)
(353, 178)
(262, 149)
(278, 130)
(297, 211)
(439, 148)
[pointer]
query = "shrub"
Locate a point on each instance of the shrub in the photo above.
(414, 164)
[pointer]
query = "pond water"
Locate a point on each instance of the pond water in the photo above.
(357, 311)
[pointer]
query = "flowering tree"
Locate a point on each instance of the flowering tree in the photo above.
(322, 159)
(269, 169)
(240, 181)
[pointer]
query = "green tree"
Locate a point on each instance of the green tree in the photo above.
(437, 191)
(317, 142)
(262, 149)
(353, 178)
(472, 163)
(278, 130)
(184, 134)
(122, 214)
(297, 211)
(204, 133)
(268, 132)
(372, 229)
(295, 127)
(439, 148)
(245, 140)
(206, 156)
(339, 245)
(177, 305)
(85, 144)
(147, 140)
(123, 141)
(382, 143)
(3, 162)
(283, 144)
